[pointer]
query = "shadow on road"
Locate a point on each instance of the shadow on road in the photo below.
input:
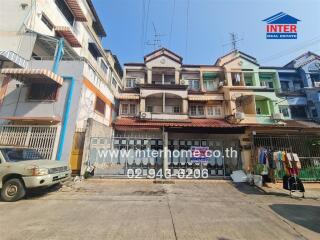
(304, 215)
(253, 190)
(40, 192)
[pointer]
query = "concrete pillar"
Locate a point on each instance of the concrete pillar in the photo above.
(201, 83)
(229, 79)
(163, 102)
(256, 79)
(185, 106)
(165, 153)
(142, 105)
(149, 76)
(177, 77)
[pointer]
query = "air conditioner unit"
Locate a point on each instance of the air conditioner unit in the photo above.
(145, 115)
(139, 81)
(317, 84)
(184, 82)
(239, 115)
(277, 116)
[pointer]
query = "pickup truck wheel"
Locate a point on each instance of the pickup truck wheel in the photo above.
(13, 190)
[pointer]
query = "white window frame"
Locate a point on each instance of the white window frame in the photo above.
(281, 107)
(214, 111)
(197, 113)
(191, 84)
(132, 82)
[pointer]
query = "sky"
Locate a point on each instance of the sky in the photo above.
(199, 30)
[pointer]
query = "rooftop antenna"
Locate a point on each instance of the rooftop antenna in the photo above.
(234, 40)
(156, 42)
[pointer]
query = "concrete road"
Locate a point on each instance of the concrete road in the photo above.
(123, 209)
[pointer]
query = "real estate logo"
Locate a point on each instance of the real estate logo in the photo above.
(281, 26)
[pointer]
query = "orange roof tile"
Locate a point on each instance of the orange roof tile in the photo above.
(203, 123)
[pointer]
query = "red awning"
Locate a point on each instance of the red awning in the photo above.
(67, 34)
(194, 123)
(53, 120)
(76, 10)
(33, 75)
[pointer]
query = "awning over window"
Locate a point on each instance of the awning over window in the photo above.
(53, 119)
(14, 58)
(67, 34)
(197, 123)
(210, 75)
(128, 97)
(206, 97)
(297, 101)
(76, 10)
(33, 75)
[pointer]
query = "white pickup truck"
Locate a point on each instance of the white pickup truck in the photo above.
(24, 168)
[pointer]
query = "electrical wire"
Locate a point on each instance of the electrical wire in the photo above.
(146, 23)
(289, 51)
(187, 30)
(143, 15)
(172, 19)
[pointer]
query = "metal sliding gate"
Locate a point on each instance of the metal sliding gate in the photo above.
(132, 156)
(307, 148)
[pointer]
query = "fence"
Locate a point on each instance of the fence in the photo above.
(43, 138)
(307, 148)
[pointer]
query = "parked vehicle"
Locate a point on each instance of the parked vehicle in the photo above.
(25, 168)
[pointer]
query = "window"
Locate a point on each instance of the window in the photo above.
(130, 82)
(132, 109)
(284, 110)
(314, 112)
(114, 82)
(194, 84)
(297, 86)
(193, 110)
(266, 80)
(149, 109)
(200, 110)
(298, 112)
(248, 79)
(104, 67)
(124, 108)
(315, 77)
(197, 110)
(40, 91)
(285, 86)
(94, 51)
(236, 78)
(214, 110)
(176, 109)
(211, 84)
(64, 8)
(128, 109)
(47, 21)
(258, 110)
(100, 106)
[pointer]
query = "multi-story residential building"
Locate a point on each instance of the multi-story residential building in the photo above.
(303, 80)
(234, 103)
(177, 106)
(55, 75)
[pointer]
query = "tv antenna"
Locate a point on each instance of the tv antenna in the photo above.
(156, 42)
(234, 40)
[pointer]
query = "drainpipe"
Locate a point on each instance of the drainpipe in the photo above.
(58, 55)
(65, 116)
(57, 58)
